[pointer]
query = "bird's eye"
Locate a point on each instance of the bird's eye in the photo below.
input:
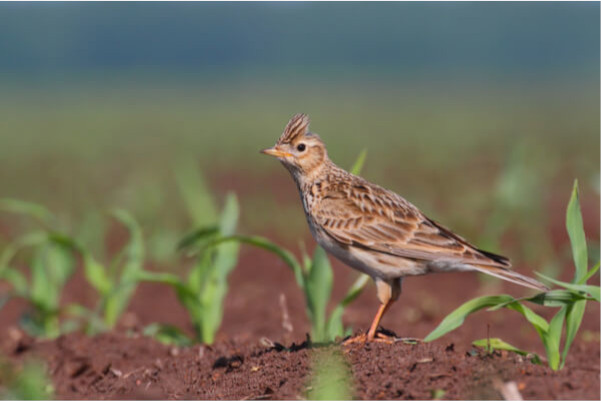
(301, 147)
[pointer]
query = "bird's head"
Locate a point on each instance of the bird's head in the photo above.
(301, 151)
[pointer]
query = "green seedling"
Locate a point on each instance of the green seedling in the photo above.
(53, 262)
(331, 378)
(571, 300)
(195, 194)
(167, 334)
(203, 291)
(27, 382)
(114, 284)
(492, 344)
(50, 265)
(437, 394)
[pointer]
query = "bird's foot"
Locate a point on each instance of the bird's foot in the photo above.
(381, 336)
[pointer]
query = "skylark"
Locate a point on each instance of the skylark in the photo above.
(373, 229)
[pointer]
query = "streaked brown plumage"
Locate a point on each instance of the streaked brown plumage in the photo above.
(372, 229)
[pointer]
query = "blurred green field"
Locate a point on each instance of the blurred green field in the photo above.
(82, 148)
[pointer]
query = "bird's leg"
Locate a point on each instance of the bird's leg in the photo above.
(371, 334)
(388, 292)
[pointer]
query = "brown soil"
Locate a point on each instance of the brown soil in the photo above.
(123, 364)
(113, 366)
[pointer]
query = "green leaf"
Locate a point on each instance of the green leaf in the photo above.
(229, 217)
(38, 212)
(30, 382)
(197, 235)
(185, 294)
(497, 343)
(334, 326)
(195, 193)
(202, 311)
(574, 315)
(96, 275)
(167, 334)
(305, 259)
(168, 279)
(64, 241)
(17, 280)
(40, 290)
(539, 323)
(552, 298)
(553, 338)
(44, 295)
(358, 165)
(355, 290)
(94, 271)
(225, 259)
(457, 317)
(576, 232)
(547, 332)
(208, 278)
(51, 266)
(94, 323)
(213, 274)
(30, 239)
(331, 377)
(123, 288)
(555, 298)
(591, 272)
(60, 264)
(592, 290)
(317, 292)
(260, 242)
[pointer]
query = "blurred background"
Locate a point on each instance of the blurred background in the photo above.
(480, 114)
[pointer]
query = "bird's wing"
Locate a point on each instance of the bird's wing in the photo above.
(367, 216)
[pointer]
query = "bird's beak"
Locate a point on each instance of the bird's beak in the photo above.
(275, 152)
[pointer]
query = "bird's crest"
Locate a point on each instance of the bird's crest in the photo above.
(297, 126)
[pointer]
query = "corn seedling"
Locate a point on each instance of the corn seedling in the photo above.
(54, 261)
(571, 300)
(203, 291)
(492, 344)
(114, 284)
(50, 265)
(331, 378)
(26, 382)
(315, 277)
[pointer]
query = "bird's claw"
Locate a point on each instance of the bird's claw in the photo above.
(380, 337)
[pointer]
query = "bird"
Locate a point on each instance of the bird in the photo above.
(372, 229)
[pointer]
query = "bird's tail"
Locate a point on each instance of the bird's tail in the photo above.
(510, 275)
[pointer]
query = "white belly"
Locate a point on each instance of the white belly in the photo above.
(376, 265)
